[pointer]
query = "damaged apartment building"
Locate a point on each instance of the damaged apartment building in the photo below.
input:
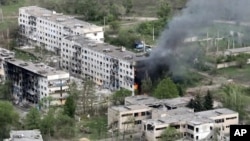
(44, 27)
(150, 117)
(108, 66)
(33, 82)
(4, 54)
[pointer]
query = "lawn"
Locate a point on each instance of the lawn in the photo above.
(240, 75)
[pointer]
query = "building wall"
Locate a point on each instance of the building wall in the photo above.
(224, 121)
(128, 120)
(204, 131)
(45, 32)
(31, 87)
(200, 132)
(103, 69)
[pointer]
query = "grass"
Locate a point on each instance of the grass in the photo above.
(240, 75)
(24, 55)
(97, 126)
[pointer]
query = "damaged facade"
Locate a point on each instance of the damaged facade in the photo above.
(33, 82)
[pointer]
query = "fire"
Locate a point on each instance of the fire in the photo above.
(136, 86)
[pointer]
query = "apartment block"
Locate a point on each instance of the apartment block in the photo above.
(4, 54)
(124, 118)
(44, 27)
(33, 82)
(108, 66)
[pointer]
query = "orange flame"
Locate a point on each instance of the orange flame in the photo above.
(136, 86)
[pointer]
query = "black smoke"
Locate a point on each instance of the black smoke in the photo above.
(171, 53)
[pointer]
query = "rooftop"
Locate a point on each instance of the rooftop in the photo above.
(216, 112)
(26, 135)
(124, 108)
(38, 68)
(140, 99)
(110, 50)
(4, 53)
(163, 112)
(65, 20)
(188, 117)
(176, 101)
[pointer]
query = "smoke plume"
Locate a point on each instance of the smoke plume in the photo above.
(197, 15)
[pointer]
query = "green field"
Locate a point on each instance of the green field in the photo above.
(237, 74)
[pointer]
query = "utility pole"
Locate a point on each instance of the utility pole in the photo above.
(228, 42)
(217, 42)
(8, 44)
(207, 42)
(104, 24)
(153, 33)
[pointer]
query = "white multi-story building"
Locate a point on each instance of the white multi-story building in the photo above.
(33, 82)
(108, 66)
(4, 54)
(47, 28)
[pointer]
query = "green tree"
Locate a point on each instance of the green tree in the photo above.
(170, 134)
(8, 118)
(164, 10)
(208, 101)
(70, 106)
(147, 84)
(241, 60)
(128, 4)
(32, 119)
(180, 89)
(166, 89)
(198, 103)
(233, 98)
(47, 124)
(5, 91)
(65, 126)
(118, 98)
(115, 26)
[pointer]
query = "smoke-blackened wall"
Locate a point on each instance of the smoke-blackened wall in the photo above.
(197, 15)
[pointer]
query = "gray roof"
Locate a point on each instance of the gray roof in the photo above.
(38, 68)
(175, 102)
(179, 111)
(65, 20)
(26, 135)
(123, 108)
(141, 99)
(189, 118)
(5, 54)
(109, 50)
(216, 112)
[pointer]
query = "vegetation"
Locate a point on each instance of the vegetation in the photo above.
(5, 91)
(201, 103)
(233, 97)
(118, 98)
(146, 85)
(70, 106)
(170, 134)
(166, 89)
(208, 103)
(8, 118)
(32, 119)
